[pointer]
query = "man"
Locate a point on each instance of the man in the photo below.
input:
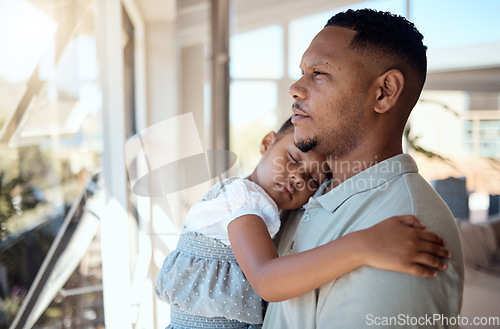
(361, 76)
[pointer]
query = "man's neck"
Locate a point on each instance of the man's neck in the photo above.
(348, 165)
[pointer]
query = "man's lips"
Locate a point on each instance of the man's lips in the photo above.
(298, 117)
(298, 114)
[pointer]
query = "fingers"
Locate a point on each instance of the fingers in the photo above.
(411, 248)
(417, 224)
(411, 221)
(431, 237)
(430, 261)
(419, 270)
(432, 254)
(435, 250)
(425, 265)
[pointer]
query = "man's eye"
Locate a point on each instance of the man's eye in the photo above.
(318, 73)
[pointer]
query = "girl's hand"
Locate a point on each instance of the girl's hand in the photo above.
(402, 244)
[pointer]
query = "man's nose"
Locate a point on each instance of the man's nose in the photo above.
(297, 90)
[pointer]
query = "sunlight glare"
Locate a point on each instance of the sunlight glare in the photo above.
(25, 33)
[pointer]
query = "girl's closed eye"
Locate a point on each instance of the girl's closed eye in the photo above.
(315, 182)
(292, 158)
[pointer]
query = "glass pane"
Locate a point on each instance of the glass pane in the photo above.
(50, 109)
(25, 33)
(257, 54)
(492, 126)
(469, 137)
(252, 116)
(453, 23)
(301, 32)
(489, 145)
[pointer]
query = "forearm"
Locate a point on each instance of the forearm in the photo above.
(291, 276)
(280, 278)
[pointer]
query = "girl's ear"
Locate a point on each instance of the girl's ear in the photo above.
(390, 86)
(267, 141)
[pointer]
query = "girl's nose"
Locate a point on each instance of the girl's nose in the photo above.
(296, 181)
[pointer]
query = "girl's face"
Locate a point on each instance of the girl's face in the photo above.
(289, 176)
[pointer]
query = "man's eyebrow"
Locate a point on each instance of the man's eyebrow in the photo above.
(316, 64)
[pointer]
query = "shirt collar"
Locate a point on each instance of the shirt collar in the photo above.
(368, 179)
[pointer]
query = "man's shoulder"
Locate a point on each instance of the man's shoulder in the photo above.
(410, 190)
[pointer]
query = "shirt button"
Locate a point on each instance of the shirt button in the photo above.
(305, 218)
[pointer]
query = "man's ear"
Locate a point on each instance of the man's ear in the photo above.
(267, 141)
(389, 88)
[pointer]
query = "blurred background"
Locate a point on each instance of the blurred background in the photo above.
(78, 78)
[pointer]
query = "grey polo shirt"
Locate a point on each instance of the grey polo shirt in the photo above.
(368, 297)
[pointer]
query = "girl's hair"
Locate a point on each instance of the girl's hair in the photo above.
(286, 128)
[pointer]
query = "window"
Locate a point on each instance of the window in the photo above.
(257, 54)
(261, 76)
(50, 137)
(256, 66)
(449, 121)
(301, 32)
(489, 138)
(303, 29)
(455, 23)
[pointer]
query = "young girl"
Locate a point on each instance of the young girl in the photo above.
(225, 260)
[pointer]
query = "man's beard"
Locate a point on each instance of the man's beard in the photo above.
(306, 145)
(329, 149)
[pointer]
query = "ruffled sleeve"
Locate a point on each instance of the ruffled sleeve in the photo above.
(228, 200)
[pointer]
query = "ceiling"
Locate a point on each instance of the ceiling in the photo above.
(163, 10)
(470, 80)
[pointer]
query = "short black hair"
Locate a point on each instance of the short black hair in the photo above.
(385, 32)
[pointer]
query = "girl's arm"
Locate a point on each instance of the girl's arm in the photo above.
(399, 243)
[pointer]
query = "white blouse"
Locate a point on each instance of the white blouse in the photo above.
(228, 200)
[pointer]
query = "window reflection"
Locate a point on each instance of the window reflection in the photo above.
(25, 35)
(50, 138)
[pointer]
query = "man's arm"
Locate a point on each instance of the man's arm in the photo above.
(399, 243)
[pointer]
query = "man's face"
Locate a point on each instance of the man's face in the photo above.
(330, 108)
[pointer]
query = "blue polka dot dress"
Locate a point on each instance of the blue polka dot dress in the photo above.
(201, 279)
